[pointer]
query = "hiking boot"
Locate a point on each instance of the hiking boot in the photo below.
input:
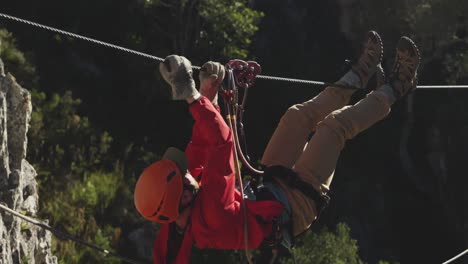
(403, 78)
(371, 56)
(377, 80)
(380, 76)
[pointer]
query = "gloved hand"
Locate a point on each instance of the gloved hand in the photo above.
(177, 72)
(211, 75)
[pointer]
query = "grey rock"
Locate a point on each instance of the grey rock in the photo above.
(30, 205)
(14, 179)
(19, 114)
(2, 68)
(3, 181)
(30, 189)
(9, 197)
(4, 167)
(20, 242)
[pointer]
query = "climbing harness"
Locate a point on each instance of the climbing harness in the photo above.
(280, 241)
(65, 236)
(292, 180)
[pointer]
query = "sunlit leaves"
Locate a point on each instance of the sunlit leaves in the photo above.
(327, 247)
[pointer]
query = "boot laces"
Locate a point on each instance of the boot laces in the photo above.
(367, 61)
(405, 66)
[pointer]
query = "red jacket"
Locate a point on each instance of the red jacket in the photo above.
(217, 220)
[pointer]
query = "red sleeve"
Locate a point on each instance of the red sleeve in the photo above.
(217, 209)
(196, 151)
(218, 174)
(213, 134)
(160, 245)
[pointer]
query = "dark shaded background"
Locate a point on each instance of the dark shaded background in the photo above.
(410, 214)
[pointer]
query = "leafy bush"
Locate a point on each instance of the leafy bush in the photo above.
(61, 142)
(79, 180)
(81, 209)
(231, 27)
(328, 247)
(16, 61)
(206, 28)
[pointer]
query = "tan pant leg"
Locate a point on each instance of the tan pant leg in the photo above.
(299, 121)
(318, 161)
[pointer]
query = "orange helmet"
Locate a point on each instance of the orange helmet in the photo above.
(159, 189)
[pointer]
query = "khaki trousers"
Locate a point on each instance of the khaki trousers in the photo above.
(315, 160)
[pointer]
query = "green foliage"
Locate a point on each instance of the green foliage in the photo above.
(207, 28)
(456, 66)
(387, 262)
(431, 23)
(429, 18)
(216, 256)
(78, 209)
(61, 142)
(77, 176)
(16, 61)
(25, 259)
(230, 28)
(77, 187)
(397, 13)
(436, 31)
(328, 247)
(97, 190)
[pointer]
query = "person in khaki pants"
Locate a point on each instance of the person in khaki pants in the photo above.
(206, 210)
(310, 164)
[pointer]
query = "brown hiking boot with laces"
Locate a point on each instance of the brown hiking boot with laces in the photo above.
(403, 78)
(377, 80)
(379, 76)
(371, 56)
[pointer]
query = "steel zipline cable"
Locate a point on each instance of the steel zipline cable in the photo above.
(66, 33)
(263, 77)
(65, 236)
(456, 257)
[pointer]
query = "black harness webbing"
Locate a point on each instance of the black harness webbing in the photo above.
(292, 179)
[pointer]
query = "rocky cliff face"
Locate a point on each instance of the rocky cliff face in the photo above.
(20, 242)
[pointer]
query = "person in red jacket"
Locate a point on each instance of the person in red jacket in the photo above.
(165, 192)
(193, 194)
